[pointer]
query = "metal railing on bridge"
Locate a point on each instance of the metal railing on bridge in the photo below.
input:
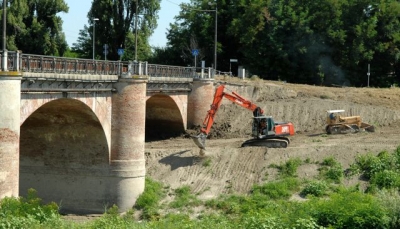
(17, 61)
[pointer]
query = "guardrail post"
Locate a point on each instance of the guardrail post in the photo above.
(17, 60)
(4, 61)
(146, 65)
(75, 66)
(28, 63)
(140, 68)
(119, 68)
(54, 65)
(41, 64)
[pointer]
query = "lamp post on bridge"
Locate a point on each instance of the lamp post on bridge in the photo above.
(215, 35)
(94, 31)
(136, 29)
(5, 54)
(136, 33)
(215, 31)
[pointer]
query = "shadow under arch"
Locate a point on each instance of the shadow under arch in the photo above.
(64, 156)
(163, 118)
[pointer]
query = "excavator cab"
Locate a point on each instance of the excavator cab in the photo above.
(263, 126)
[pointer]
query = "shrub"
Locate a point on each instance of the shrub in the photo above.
(367, 165)
(112, 219)
(282, 189)
(260, 220)
(309, 223)
(390, 199)
(386, 179)
(183, 221)
(229, 204)
(330, 161)
(333, 171)
(207, 162)
(348, 209)
(183, 197)
(27, 212)
(149, 200)
(289, 168)
(151, 196)
(315, 188)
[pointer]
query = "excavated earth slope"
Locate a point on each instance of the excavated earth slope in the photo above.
(227, 168)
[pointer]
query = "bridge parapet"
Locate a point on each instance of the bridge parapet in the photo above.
(29, 63)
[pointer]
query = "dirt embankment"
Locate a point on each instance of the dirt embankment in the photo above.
(227, 168)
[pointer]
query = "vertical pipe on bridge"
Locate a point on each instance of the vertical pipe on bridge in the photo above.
(10, 107)
(127, 161)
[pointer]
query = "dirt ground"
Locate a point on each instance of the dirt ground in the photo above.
(228, 168)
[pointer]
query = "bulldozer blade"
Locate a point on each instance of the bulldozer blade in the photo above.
(370, 128)
(200, 140)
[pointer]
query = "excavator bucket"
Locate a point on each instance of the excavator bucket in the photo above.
(200, 140)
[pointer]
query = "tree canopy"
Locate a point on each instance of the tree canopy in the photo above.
(309, 41)
(328, 42)
(118, 23)
(33, 26)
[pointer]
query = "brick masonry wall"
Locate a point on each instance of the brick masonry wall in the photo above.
(199, 101)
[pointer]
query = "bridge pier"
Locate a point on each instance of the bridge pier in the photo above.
(10, 107)
(127, 161)
(199, 101)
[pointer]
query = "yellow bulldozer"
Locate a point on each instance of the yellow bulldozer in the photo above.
(337, 124)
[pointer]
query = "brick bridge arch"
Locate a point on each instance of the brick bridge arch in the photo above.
(166, 115)
(108, 123)
(64, 150)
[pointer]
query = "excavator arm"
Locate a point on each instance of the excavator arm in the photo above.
(234, 97)
(209, 120)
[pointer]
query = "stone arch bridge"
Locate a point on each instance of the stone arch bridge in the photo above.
(75, 129)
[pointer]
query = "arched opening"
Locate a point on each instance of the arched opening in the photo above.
(64, 156)
(163, 118)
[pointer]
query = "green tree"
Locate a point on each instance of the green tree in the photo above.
(310, 41)
(187, 33)
(34, 27)
(116, 26)
(194, 28)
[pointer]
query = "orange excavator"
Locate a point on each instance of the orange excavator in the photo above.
(265, 131)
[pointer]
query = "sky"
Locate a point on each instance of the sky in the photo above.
(76, 18)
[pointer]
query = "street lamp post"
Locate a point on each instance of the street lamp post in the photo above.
(5, 54)
(215, 32)
(94, 31)
(136, 33)
(215, 39)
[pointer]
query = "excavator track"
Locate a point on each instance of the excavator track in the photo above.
(275, 142)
